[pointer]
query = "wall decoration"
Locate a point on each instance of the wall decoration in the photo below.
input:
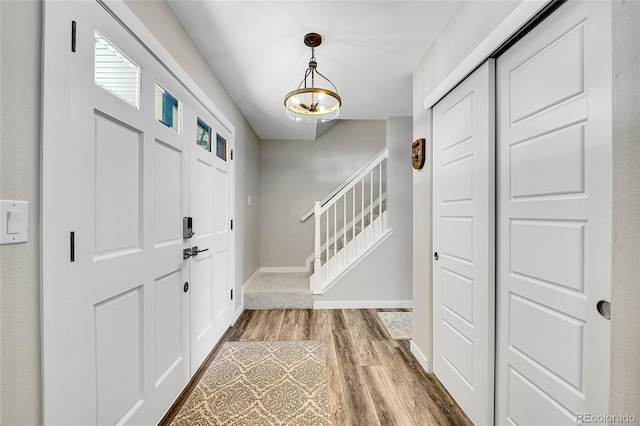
(417, 153)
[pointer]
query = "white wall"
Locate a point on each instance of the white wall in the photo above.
(625, 317)
(158, 17)
(385, 275)
(471, 24)
(295, 174)
(20, 40)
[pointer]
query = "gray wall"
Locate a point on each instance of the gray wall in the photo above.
(461, 35)
(158, 17)
(295, 174)
(625, 319)
(472, 23)
(385, 275)
(20, 38)
(20, 43)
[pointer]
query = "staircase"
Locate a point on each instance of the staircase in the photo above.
(349, 224)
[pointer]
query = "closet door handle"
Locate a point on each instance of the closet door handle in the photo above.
(604, 308)
(435, 256)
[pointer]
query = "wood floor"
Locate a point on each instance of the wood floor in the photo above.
(372, 379)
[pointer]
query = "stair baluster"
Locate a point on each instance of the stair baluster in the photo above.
(336, 250)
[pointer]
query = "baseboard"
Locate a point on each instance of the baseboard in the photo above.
(363, 304)
(283, 269)
(240, 309)
(239, 312)
(249, 281)
(422, 360)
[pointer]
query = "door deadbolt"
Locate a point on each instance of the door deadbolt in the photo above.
(435, 256)
(186, 287)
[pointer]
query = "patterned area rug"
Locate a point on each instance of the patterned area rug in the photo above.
(398, 324)
(261, 383)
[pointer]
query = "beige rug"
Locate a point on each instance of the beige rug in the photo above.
(261, 383)
(398, 324)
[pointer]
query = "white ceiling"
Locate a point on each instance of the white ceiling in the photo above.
(369, 51)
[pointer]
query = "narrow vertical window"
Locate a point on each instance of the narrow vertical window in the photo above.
(167, 109)
(203, 136)
(115, 72)
(221, 147)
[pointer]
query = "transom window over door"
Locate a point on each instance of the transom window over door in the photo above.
(221, 147)
(203, 135)
(168, 109)
(115, 72)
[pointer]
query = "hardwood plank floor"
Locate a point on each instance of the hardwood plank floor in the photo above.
(372, 379)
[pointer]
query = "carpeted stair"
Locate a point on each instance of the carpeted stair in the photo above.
(279, 291)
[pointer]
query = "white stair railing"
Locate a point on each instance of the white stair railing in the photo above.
(349, 223)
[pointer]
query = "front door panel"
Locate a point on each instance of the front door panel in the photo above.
(117, 314)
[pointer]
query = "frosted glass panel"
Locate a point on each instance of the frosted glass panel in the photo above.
(115, 72)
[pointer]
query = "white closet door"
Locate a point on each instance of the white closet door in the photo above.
(463, 238)
(554, 219)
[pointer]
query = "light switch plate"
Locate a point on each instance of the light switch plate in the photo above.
(14, 222)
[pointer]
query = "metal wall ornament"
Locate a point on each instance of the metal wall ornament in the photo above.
(418, 153)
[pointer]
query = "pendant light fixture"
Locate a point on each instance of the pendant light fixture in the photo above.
(316, 98)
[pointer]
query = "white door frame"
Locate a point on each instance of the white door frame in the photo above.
(521, 15)
(57, 323)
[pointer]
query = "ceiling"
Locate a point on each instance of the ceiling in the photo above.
(369, 51)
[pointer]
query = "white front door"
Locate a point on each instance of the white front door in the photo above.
(131, 350)
(211, 269)
(120, 172)
(554, 219)
(463, 236)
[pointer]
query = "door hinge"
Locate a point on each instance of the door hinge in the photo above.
(232, 224)
(72, 246)
(73, 36)
(232, 154)
(231, 294)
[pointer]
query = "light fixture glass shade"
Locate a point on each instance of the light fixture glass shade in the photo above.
(312, 101)
(312, 105)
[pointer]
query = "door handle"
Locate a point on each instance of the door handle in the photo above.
(604, 308)
(190, 252)
(195, 251)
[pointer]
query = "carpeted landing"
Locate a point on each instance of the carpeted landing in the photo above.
(398, 324)
(279, 291)
(261, 383)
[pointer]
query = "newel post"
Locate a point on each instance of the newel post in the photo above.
(317, 211)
